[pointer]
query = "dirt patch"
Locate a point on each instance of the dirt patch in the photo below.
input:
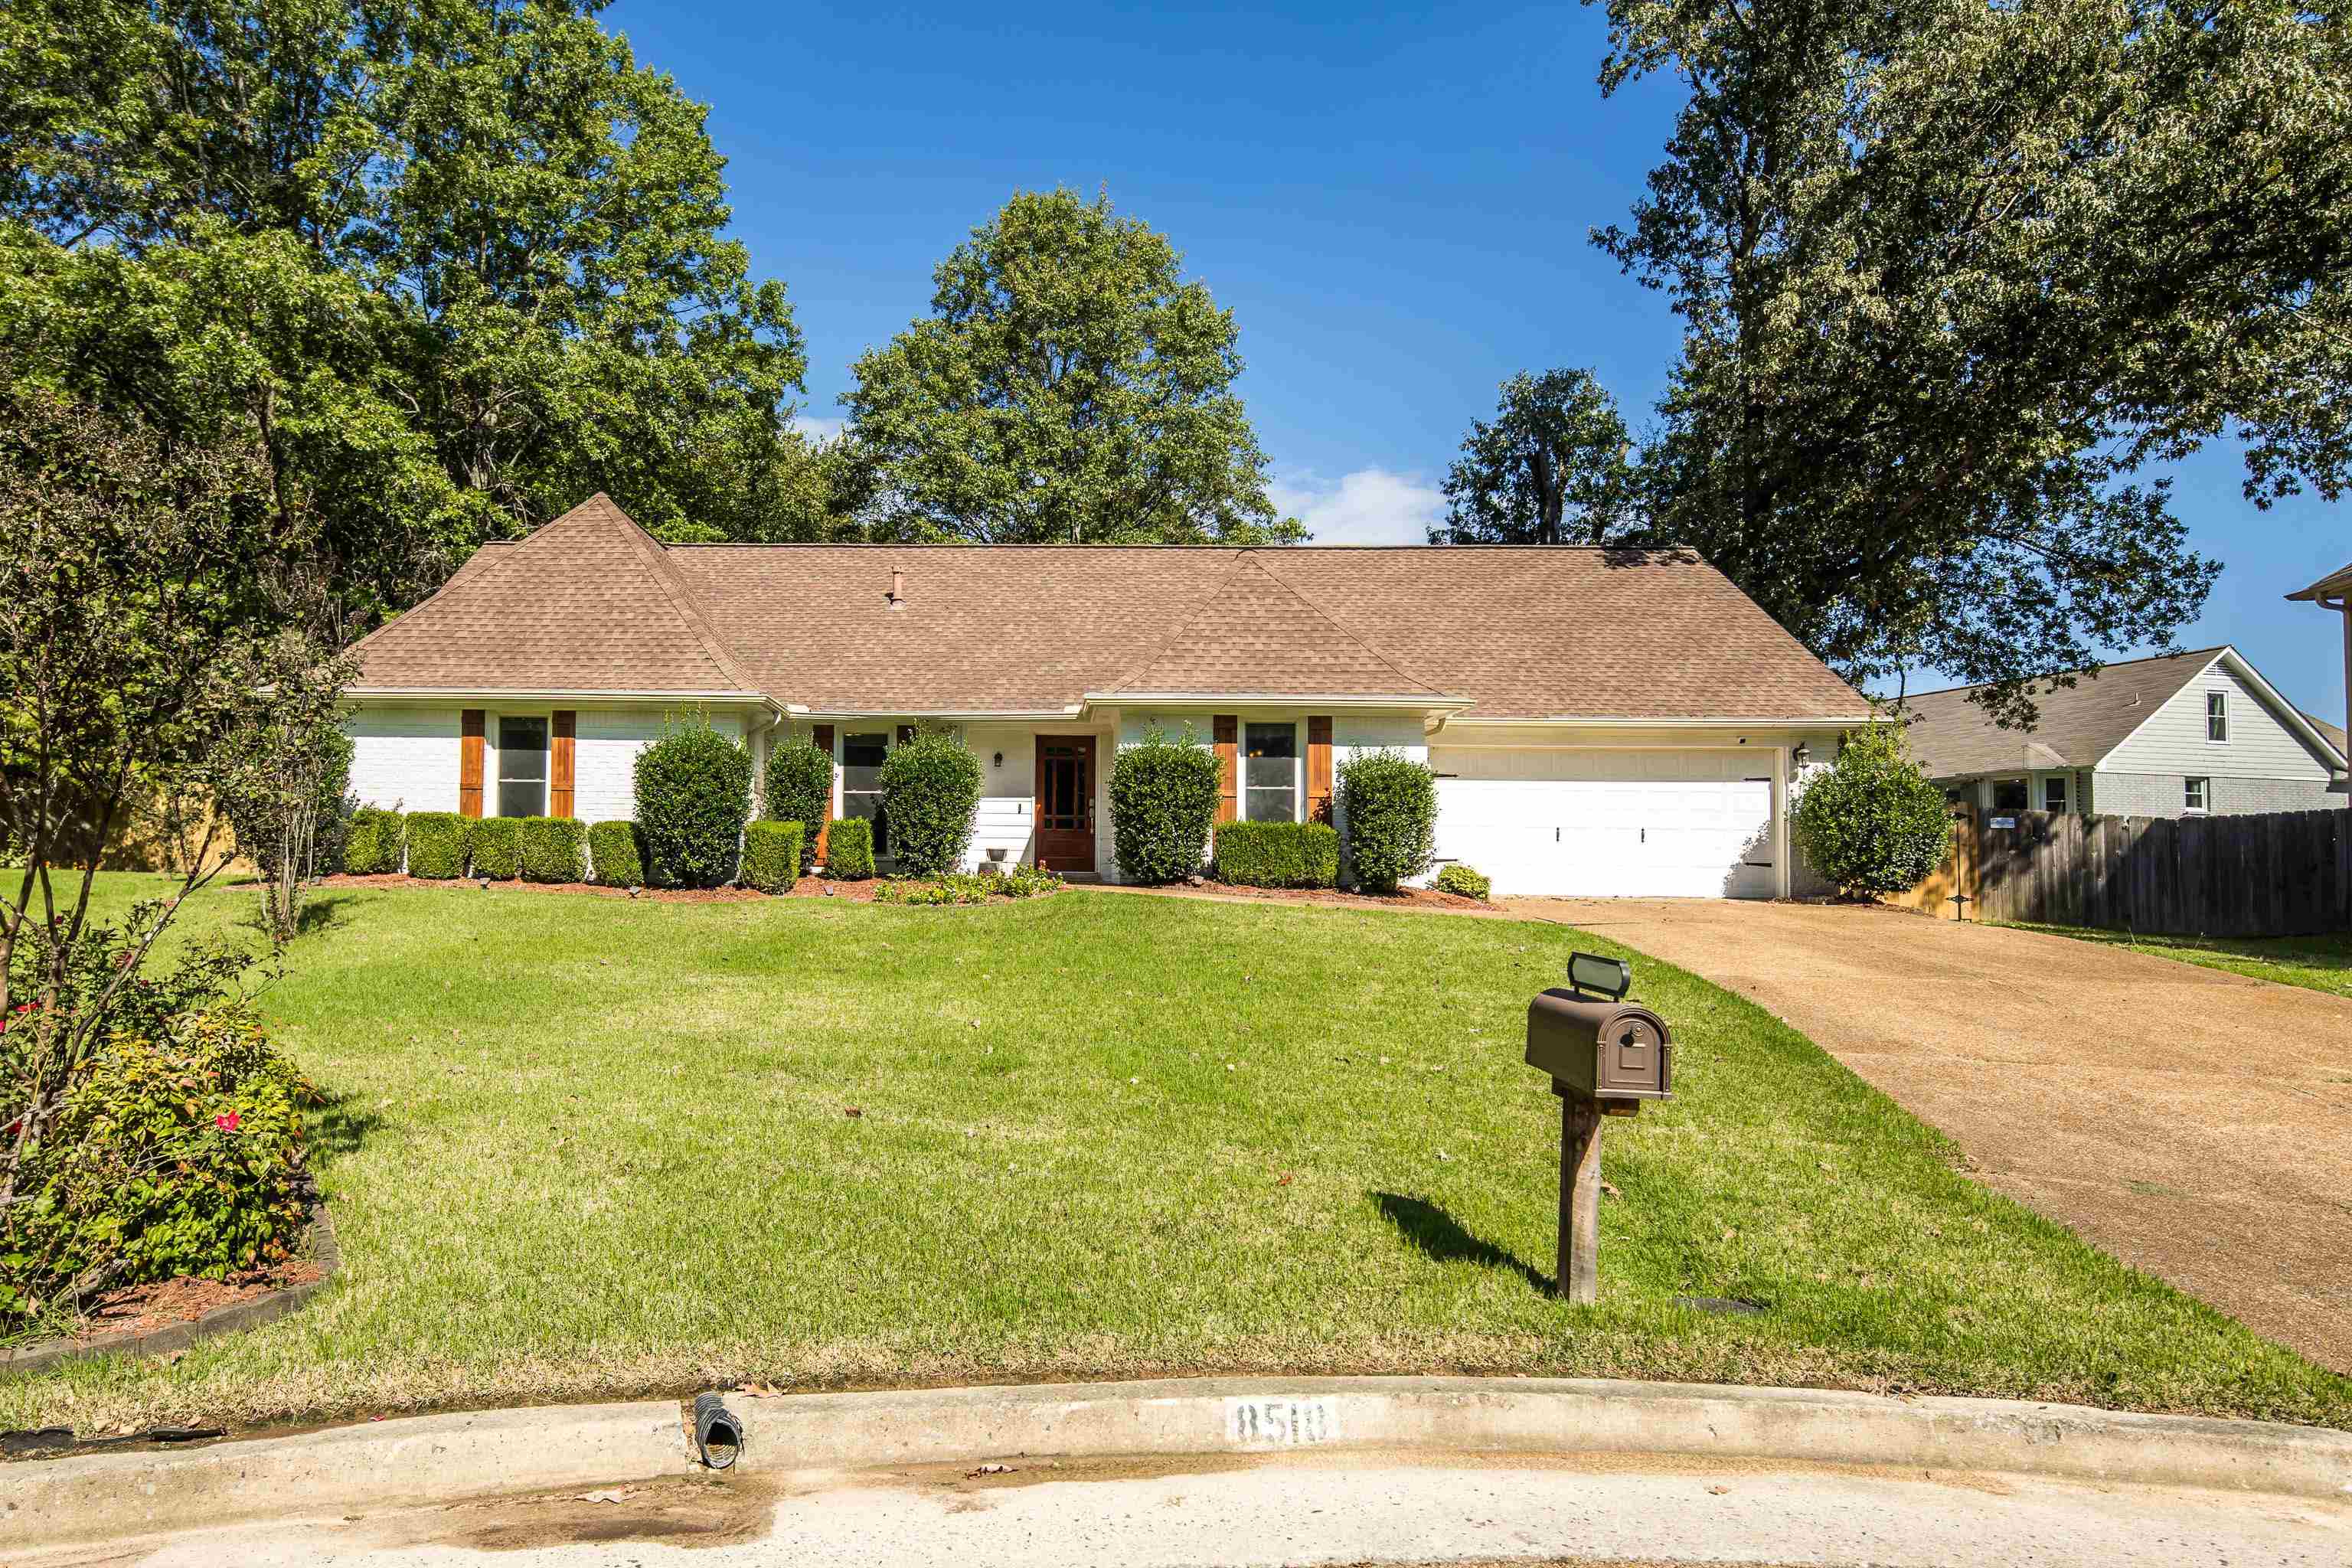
(677, 1510)
(2198, 1124)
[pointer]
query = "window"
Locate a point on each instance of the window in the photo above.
(1270, 772)
(522, 767)
(2053, 793)
(2217, 716)
(2196, 795)
(2011, 794)
(861, 783)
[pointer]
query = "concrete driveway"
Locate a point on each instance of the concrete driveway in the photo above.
(2195, 1124)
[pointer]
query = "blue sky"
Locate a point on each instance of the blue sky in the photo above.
(1394, 206)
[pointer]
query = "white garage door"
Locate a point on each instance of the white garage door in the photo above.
(1609, 823)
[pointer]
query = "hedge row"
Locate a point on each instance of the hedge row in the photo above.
(1277, 854)
(442, 845)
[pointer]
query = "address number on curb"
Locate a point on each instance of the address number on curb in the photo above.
(1281, 1423)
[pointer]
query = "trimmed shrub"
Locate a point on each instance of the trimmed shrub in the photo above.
(772, 855)
(554, 850)
(378, 842)
(850, 849)
(1389, 803)
(800, 789)
(614, 859)
(180, 1151)
(930, 787)
(1277, 854)
(1870, 821)
(1163, 801)
(495, 846)
(694, 791)
(436, 845)
(1466, 881)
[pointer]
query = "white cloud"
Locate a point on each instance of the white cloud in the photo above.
(1369, 506)
(818, 427)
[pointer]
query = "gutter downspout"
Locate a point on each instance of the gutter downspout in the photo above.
(2342, 605)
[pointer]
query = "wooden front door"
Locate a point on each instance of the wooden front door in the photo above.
(1066, 803)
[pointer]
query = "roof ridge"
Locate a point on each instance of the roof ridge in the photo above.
(680, 594)
(1333, 622)
(2209, 653)
(1186, 623)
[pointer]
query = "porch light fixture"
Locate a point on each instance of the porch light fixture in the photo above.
(1801, 756)
(1000, 759)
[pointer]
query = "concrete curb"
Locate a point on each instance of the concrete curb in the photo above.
(318, 1238)
(446, 1458)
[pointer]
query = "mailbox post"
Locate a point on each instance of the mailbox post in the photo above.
(1605, 1057)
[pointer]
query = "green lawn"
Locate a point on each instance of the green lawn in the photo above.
(2314, 962)
(585, 1148)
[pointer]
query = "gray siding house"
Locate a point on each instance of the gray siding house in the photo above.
(2184, 735)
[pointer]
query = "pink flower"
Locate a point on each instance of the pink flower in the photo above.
(227, 1123)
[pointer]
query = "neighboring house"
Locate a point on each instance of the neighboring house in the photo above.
(1602, 721)
(2183, 735)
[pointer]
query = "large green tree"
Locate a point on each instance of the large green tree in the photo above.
(1552, 468)
(1953, 275)
(509, 230)
(1070, 387)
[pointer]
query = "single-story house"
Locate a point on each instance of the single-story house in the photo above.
(2185, 734)
(1602, 721)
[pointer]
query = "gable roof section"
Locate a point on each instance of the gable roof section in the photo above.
(1252, 633)
(2079, 725)
(589, 602)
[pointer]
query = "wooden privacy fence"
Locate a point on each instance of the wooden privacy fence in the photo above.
(2285, 873)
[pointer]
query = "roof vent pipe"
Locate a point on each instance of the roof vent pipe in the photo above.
(898, 586)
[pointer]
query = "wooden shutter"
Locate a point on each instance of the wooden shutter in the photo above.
(1319, 768)
(559, 762)
(1225, 729)
(823, 736)
(471, 727)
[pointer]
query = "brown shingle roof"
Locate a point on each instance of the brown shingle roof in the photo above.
(2079, 725)
(590, 601)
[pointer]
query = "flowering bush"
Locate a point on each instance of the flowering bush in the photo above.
(180, 1151)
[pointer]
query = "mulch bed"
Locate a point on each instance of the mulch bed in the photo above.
(1421, 899)
(143, 1308)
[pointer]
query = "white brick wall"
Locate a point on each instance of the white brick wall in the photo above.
(405, 759)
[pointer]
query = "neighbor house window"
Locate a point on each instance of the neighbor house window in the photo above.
(522, 767)
(2053, 793)
(1270, 772)
(2011, 794)
(2217, 715)
(861, 782)
(2197, 794)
